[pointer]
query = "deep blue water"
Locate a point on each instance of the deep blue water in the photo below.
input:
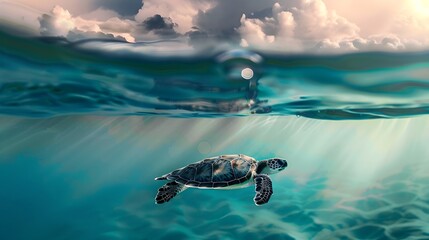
(86, 126)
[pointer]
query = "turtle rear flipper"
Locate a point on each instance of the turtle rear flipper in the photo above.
(263, 188)
(161, 178)
(168, 191)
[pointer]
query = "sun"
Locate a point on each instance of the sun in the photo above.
(421, 6)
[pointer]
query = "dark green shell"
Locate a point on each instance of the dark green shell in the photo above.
(216, 172)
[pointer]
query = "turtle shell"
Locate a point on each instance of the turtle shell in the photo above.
(216, 172)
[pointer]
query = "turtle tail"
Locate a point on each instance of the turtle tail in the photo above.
(168, 191)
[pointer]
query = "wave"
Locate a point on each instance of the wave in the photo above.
(45, 77)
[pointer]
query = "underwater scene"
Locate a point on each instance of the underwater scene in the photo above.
(293, 119)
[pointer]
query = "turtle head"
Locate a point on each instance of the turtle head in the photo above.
(272, 166)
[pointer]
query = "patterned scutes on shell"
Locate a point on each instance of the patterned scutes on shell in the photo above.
(221, 171)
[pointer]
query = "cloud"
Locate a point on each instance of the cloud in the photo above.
(311, 26)
(297, 28)
(315, 21)
(80, 35)
(289, 25)
(61, 23)
(197, 37)
(58, 23)
(117, 25)
(161, 26)
(223, 18)
(158, 22)
(182, 12)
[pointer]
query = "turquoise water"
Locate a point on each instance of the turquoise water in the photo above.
(86, 126)
(45, 77)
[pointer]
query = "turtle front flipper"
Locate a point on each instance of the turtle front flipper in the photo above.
(263, 188)
(168, 191)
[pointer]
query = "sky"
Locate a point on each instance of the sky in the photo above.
(283, 25)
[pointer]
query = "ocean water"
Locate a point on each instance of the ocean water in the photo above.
(85, 127)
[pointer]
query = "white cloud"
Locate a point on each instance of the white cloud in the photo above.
(253, 30)
(315, 21)
(58, 23)
(290, 25)
(61, 23)
(311, 26)
(298, 28)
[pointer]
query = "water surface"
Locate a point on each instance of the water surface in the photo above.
(44, 77)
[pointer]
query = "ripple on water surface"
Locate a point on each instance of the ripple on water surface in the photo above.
(47, 78)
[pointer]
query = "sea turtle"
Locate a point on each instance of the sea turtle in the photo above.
(223, 172)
